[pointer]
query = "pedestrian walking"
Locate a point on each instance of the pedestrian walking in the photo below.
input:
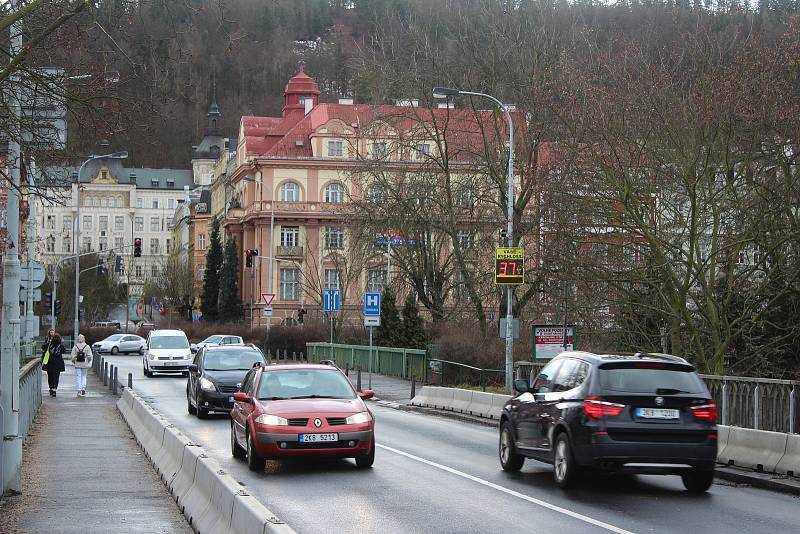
(82, 360)
(53, 360)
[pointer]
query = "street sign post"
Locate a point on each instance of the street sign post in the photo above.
(372, 318)
(331, 302)
(509, 266)
(32, 274)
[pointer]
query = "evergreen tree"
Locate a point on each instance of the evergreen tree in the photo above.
(211, 279)
(390, 332)
(413, 327)
(229, 307)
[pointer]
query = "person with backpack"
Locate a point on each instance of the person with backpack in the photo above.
(82, 360)
(53, 360)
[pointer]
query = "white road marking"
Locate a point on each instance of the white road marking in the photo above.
(543, 504)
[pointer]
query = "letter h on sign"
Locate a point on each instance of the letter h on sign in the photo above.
(372, 304)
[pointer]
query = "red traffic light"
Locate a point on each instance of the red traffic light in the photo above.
(137, 242)
(249, 252)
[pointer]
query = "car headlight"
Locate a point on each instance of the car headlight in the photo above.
(359, 418)
(207, 384)
(271, 420)
(152, 356)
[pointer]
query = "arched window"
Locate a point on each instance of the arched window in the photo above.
(290, 192)
(119, 202)
(376, 194)
(95, 201)
(334, 193)
(104, 202)
(87, 201)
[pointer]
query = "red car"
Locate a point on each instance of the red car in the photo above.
(300, 410)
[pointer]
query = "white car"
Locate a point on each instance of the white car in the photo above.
(167, 351)
(124, 343)
(216, 340)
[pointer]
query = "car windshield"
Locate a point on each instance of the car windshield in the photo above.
(663, 381)
(305, 384)
(212, 339)
(115, 337)
(169, 342)
(230, 360)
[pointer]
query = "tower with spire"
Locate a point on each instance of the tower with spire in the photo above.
(205, 155)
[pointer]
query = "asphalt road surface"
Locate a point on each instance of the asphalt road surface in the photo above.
(433, 474)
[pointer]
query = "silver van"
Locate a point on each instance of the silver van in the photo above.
(167, 351)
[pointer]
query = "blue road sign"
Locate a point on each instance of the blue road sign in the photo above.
(372, 304)
(331, 300)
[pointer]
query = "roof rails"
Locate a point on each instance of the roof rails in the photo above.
(330, 363)
(256, 364)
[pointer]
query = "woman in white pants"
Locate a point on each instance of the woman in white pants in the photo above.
(82, 360)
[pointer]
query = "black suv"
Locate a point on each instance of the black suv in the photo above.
(642, 413)
(215, 375)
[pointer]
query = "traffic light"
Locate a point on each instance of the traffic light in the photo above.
(57, 307)
(101, 267)
(248, 260)
(137, 247)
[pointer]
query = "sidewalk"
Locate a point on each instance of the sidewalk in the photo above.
(386, 388)
(84, 473)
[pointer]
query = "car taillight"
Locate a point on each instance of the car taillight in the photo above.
(597, 408)
(705, 412)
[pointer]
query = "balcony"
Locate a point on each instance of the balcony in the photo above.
(288, 252)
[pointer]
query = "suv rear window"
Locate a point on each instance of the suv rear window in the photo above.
(650, 378)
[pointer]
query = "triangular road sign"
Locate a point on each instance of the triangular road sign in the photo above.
(268, 298)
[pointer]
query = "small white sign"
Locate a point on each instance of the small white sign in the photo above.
(266, 312)
(371, 320)
(32, 274)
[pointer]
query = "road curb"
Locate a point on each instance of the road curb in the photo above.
(779, 483)
(210, 498)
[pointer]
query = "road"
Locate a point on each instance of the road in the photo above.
(433, 474)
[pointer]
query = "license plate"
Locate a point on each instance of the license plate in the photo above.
(657, 413)
(317, 438)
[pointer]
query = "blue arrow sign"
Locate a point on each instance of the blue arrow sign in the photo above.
(372, 304)
(331, 300)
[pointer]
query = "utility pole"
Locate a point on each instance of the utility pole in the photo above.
(29, 333)
(9, 337)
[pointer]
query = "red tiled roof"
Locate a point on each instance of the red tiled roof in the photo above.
(278, 136)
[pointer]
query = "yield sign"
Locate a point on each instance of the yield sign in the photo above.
(268, 298)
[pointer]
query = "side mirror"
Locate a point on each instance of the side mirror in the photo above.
(192, 368)
(366, 394)
(521, 385)
(241, 396)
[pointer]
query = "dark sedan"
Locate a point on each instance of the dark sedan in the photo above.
(215, 375)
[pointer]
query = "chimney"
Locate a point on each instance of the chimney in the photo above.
(308, 104)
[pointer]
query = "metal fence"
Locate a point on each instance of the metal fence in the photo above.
(401, 363)
(447, 373)
(30, 394)
(759, 403)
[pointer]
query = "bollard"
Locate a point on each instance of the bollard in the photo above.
(294, 356)
(358, 380)
(413, 386)
(110, 376)
(130, 380)
(105, 369)
(115, 380)
(302, 357)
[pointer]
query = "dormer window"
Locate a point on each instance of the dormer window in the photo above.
(132, 178)
(154, 182)
(104, 175)
(170, 183)
(335, 149)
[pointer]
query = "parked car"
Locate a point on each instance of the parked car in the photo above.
(643, 413)
(217, 340)
(124, 343)
(216, 374)
(300, 410)
(167, 351)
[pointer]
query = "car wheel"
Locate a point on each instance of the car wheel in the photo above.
(564, 468)
(189, 408)
(114, 351)
(510, 459)
(366, 460)
(236, 450)
(201, 412)
(698, 481)
(146, 371)
(254, 461)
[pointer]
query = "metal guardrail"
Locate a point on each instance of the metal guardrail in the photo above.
(30, 394)
(397, 362)
(759, 403)
(460, 374)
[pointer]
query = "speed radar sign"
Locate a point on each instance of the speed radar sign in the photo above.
(509, 266)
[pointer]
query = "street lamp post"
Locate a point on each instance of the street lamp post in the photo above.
(114, 155)
(445, 92)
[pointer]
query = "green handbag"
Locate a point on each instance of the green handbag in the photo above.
(46, 357)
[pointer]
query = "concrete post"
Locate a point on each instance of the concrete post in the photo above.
(105, 373)
(130, 380)
(724, 402)
(115, 380)
(757, 407)
(792, 408)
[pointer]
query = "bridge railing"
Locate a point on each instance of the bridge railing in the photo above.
(30, 394)
(397, 362)
(759, 403)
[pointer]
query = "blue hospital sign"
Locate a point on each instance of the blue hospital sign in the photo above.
(372, 304)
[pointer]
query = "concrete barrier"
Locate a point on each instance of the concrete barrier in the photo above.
(790, 463)
(756, 449)
(498, 401)
(461, 400)
(168, 461)
(198, 498)
(481, 404)
(153, 427)
(723, 434)
(219, 509)
(250, 517)
(185, 477)
(441, 398)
